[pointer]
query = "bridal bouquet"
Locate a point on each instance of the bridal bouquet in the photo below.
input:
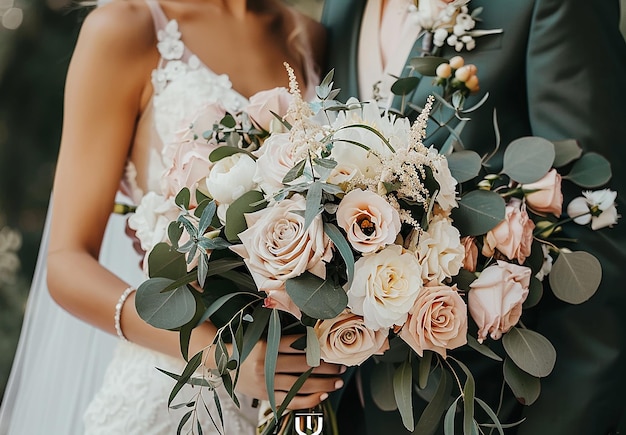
(343, 223)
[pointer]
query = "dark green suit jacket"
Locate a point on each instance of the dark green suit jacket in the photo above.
(558, 71)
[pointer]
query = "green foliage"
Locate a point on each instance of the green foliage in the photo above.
(464, 165)
(525, 387)
(575, 276)
(527, 159)
(316, 297)
(403, 392)
(381, 381)
(165, 310)
(530, 351)
(590, 171)
(478, 212)
(249, 202)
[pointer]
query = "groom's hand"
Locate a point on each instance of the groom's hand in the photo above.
(291, 363)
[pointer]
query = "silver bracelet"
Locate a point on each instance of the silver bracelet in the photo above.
(118, 312)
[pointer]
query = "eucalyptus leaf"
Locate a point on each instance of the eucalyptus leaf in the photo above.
(182, 198)
(530, 351)
(207, 217)
(453, 142)
(566, 152)
(575, 276)
(313, 203)
(424, 369)
(317, 298)
(235, 219)
(343, 247)
(525, 387)
(402, 390)
(448, 420)
(528, 159)
(215, 306)
(294, 390)
(169, 310)
(482, 348)
(174, 231)
(226, 151)
(478, 212)
(188, 371)
(271, 357)
(165, 262)
(492, 415)
(535, 293)
(464, 165)
(228, 121)
(590, 171)
(405, 85)
(254, 331)
(381, 382)
(429, 420)
(427, 65)
(183, 421)
(312, 348)
(295, 172)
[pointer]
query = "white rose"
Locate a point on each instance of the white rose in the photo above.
(275, 159)
(385, 287)
(150, 220)
(231, 177)
(440, 250)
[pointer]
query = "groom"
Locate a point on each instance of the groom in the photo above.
(557, 70)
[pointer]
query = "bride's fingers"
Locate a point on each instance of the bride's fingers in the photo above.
(296, 363)
(302, 402)
(312, 384)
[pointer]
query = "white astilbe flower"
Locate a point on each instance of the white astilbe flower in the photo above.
(597, 207)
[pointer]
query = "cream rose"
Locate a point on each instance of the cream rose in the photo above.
(446, 198)
(431, 14)
(437, 321)
(369, 221)
(230, 178)
(513, 236)
(440, 251)
(346, 340)
(496, 297)
(262, 104)
(385, 287)
(275, 159)
(151, 219)
(276, 246)
(545, 195)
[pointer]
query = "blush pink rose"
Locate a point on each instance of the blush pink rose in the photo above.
(496, 297)
(513, 236)
(190, 165)
(276, 247)
(262, 104)
(275, 158)
(545, 195)
(346, 340)
(437, 321)
(369, 221)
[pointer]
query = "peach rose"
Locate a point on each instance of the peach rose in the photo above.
(471, 254)
(545, 195)
(437, 321)
(440, 251)
(276, 246)
(513, 236)
(496, 297)
(262, 104)
(346, 340)
(369, 221)
(385, 287)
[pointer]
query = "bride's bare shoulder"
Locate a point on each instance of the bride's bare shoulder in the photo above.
(122, 27)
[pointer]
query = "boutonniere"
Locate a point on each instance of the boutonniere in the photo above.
(447, 22)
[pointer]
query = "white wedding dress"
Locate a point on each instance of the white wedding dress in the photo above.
(133, 398)
(60, 362)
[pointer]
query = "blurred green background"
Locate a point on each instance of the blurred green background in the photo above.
(36, 42)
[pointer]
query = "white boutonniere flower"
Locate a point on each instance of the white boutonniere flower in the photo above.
(447, 22)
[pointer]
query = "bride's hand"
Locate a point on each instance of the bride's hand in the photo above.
(291, 363)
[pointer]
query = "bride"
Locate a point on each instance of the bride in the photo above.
(139, 70)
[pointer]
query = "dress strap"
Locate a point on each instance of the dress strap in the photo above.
(158, 16)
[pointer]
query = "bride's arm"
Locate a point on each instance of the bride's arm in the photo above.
(107, 85)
